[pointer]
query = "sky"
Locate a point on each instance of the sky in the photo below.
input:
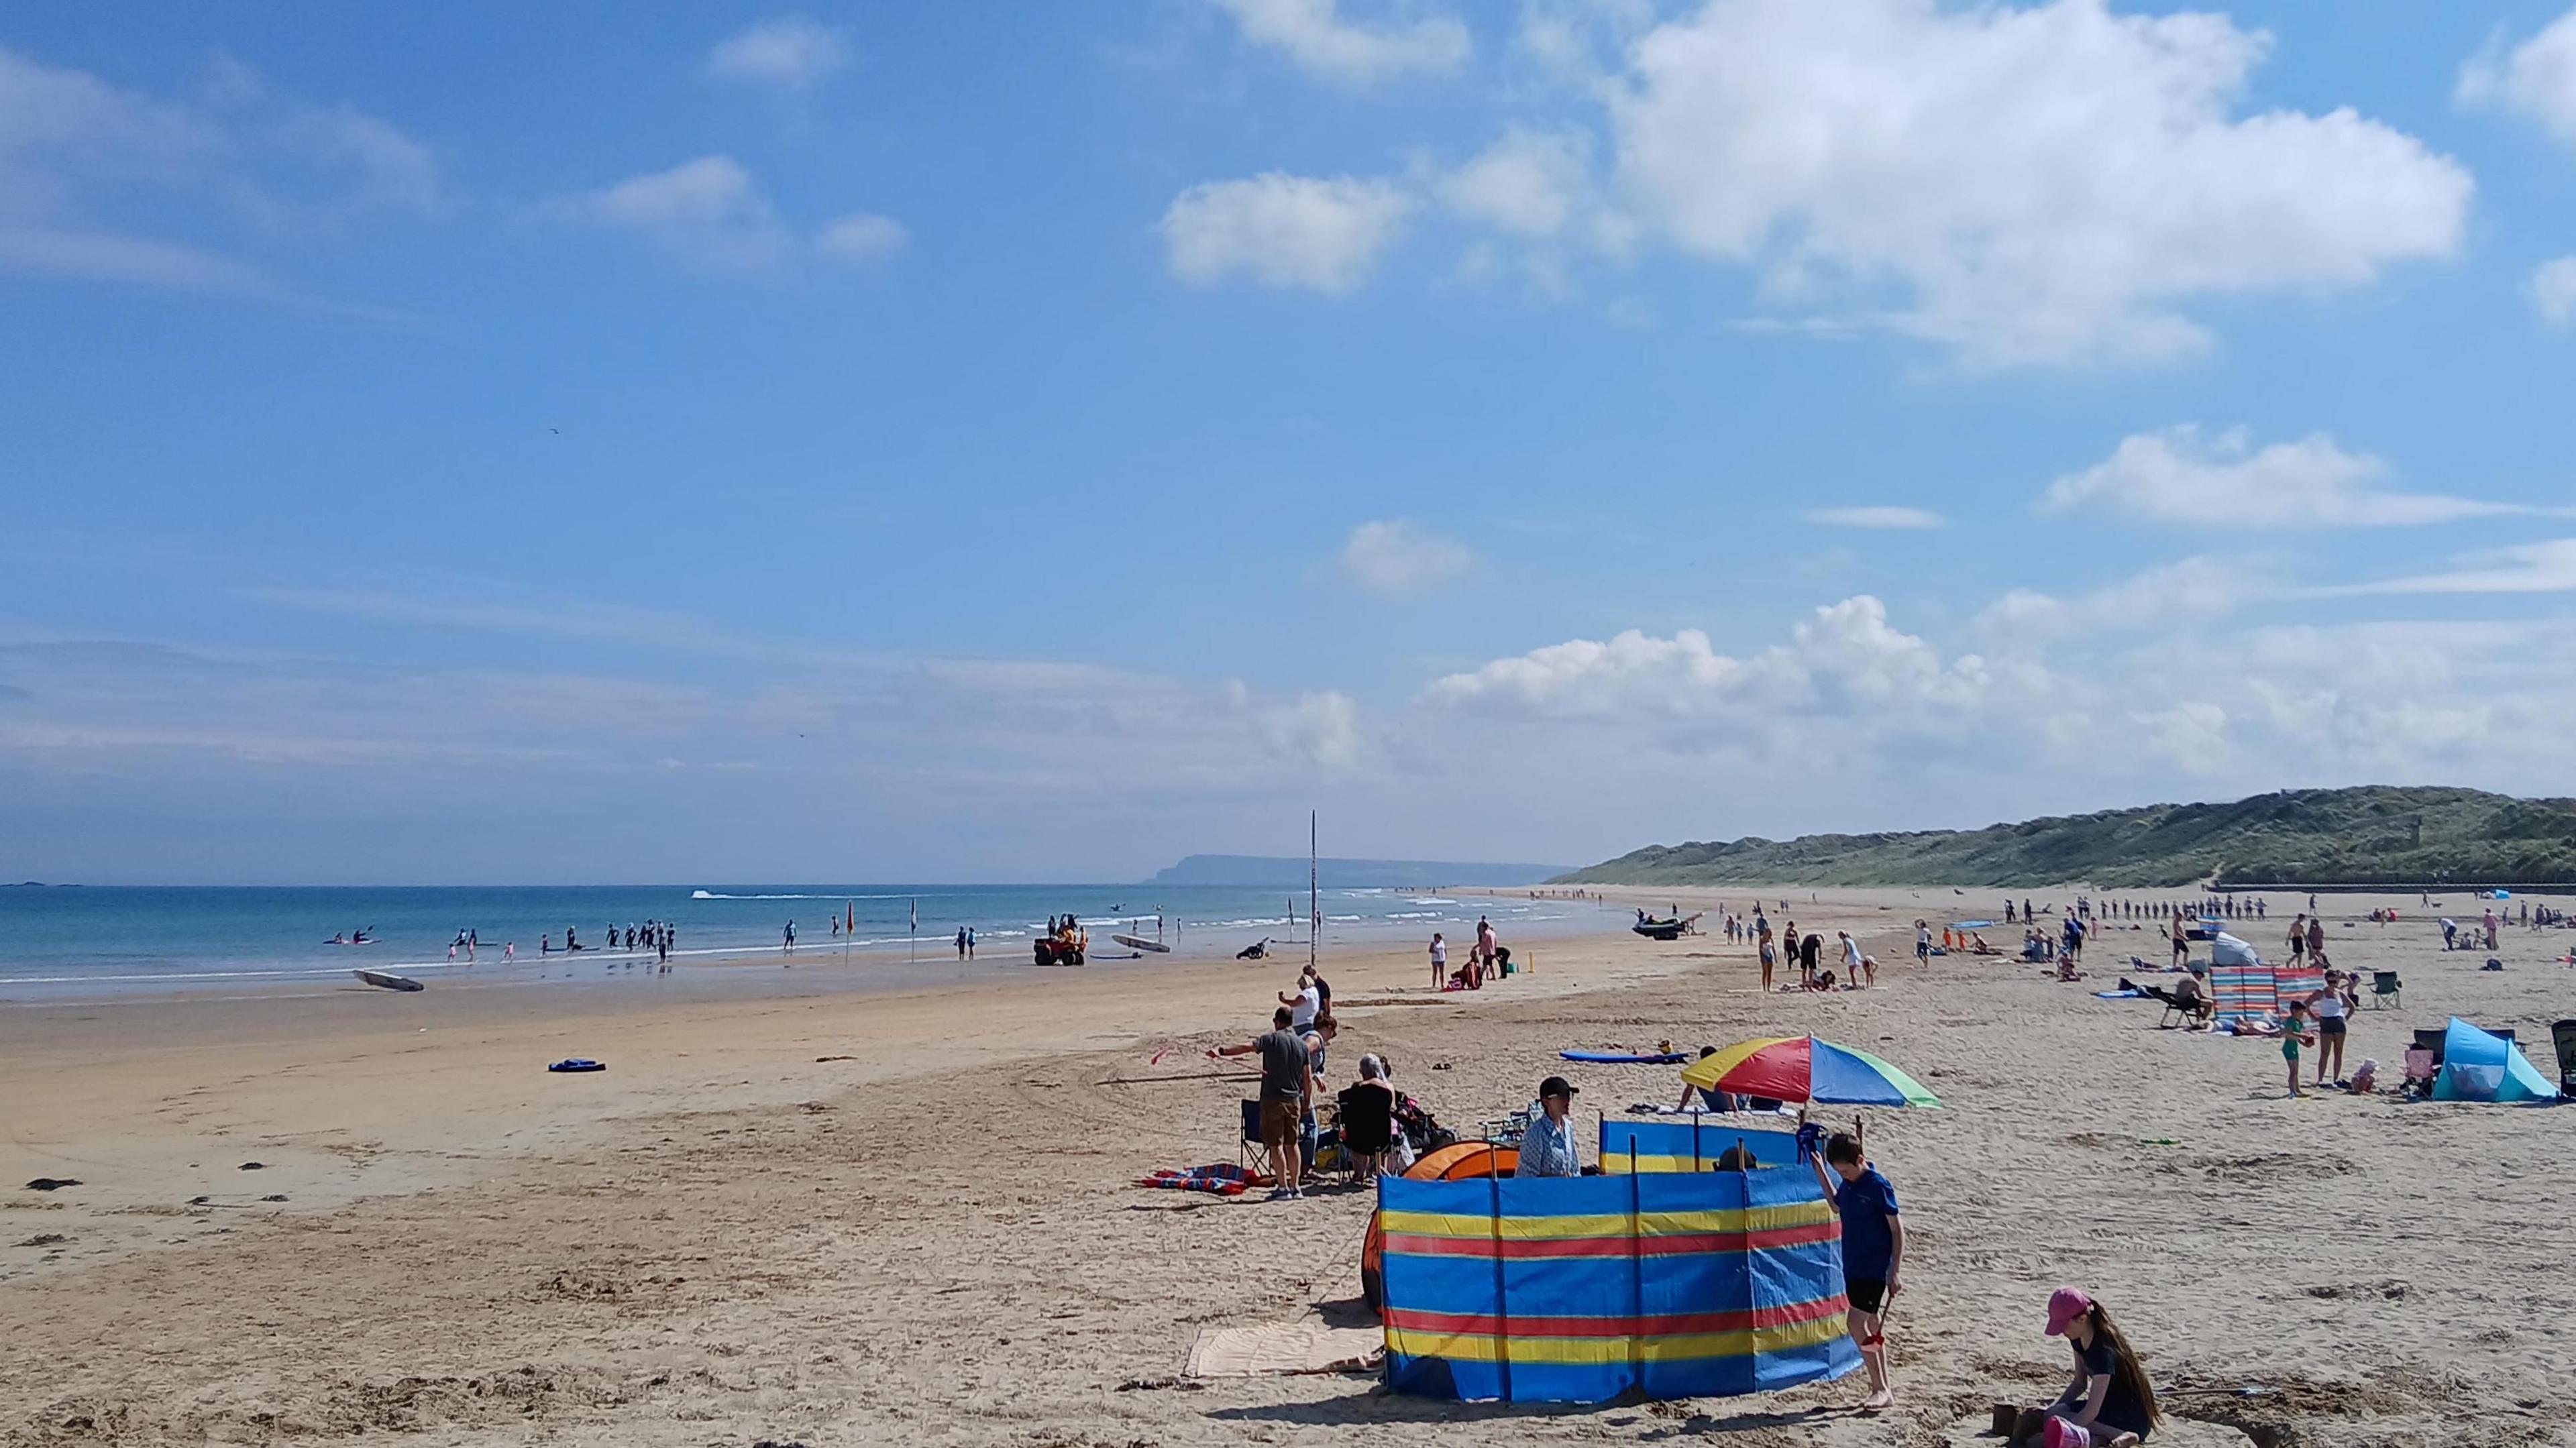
(590, 443)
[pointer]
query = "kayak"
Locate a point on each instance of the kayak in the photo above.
(388, 982)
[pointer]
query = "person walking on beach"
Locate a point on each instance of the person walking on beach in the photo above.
(1923, 943)
(787, 942)
(2109, 1403)
(1873, 1247)
(2317, 940)
(1547, 1149)
(1287, 1091)
(2181, 944)
(961, 942)
(1439, 962)
(970, 942)
(1770, 959)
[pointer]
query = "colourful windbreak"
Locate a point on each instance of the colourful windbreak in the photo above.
(1670, 1145)
(1578, 1289)
(1802, 1068)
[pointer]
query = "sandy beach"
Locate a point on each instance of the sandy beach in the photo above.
(862, 1217)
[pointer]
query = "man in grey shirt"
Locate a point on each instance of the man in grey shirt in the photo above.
(1287, 1093)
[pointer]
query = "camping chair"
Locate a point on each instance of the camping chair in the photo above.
(2386, 990)
(1252, 1151)
(1368, 1125)
(2563, 1033)
(2179, 1006)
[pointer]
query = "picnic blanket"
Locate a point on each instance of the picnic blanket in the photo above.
(1224, 1179)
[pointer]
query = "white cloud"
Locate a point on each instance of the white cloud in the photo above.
(2191, 591)
(1397, 557)
(232, 164)
(2181, 475)
(709, 210)
(1875, 516)
(2553, 291)
(1323, 234)
(861, 237)
(2025, 185)
(2536, 78)
(791, 51)
(2548, 567)
(1527, 183)
(1842, 656)
(1318, 39)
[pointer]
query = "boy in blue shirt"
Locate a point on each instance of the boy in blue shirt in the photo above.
(1873, 1248)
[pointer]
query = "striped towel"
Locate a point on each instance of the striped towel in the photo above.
(1224, 1179)
(2242, 993)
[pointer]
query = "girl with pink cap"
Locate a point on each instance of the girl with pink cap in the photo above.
(2109, 1404)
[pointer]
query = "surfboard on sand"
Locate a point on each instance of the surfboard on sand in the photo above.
(389, 982)
(1138, 942)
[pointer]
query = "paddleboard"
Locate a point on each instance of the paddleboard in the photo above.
(388, 982)
(1138, 942)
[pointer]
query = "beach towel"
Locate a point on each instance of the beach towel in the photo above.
(2242, 993)
(1224, 1179)
(1310, 1345)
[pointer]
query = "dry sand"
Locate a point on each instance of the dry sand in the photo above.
(931, 1238)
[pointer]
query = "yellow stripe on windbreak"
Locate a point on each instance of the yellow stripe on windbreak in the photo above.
(1679, 1347)
(1605, 1224)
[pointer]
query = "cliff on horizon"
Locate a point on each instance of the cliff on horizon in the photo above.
(2367, 835)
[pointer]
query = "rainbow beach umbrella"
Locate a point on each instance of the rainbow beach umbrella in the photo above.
(1802, 1068)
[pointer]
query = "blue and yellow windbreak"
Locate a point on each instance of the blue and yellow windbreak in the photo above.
(1578, 1289)
(1690, 1144)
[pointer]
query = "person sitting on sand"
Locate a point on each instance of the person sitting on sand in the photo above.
(1709, 1098)
(2109, 1403)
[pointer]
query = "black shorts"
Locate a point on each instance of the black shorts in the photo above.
(1867, 1294)
(2330, 1025)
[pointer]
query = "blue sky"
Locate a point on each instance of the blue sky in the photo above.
(567, 443)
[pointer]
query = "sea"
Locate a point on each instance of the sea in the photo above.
(68, 942)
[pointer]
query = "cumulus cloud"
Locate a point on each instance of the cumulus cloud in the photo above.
(1843, 655)
(1399, 558)
(2536, 79)
(862, 237)
(1318, 39)
(709, 210)
(2553, 291)
(1528, 183)
(714, 212)
(1324, 234)
(2191, 591)
(230, 166)
(1875, 516)
(2182, 475)
(788, 51)
(2025, 185)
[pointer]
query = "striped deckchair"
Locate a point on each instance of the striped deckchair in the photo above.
(2242, 993)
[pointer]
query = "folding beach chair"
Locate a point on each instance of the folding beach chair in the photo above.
(1252, 1151)
(2421, 1066)
(2385, 989)
(2563, 1034)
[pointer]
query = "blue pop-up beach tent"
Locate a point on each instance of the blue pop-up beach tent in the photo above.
(2483, 1066)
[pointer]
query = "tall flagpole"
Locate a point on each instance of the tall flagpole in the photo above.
(1314, 906)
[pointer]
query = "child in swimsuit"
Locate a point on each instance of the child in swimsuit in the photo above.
(2294, 1034)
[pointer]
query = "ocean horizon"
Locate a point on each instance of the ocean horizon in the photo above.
(60, 940)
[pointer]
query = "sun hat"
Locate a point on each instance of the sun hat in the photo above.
(2064, 1306)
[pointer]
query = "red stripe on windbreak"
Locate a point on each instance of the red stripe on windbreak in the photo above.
(1619, 1246)
(1662, 1325)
